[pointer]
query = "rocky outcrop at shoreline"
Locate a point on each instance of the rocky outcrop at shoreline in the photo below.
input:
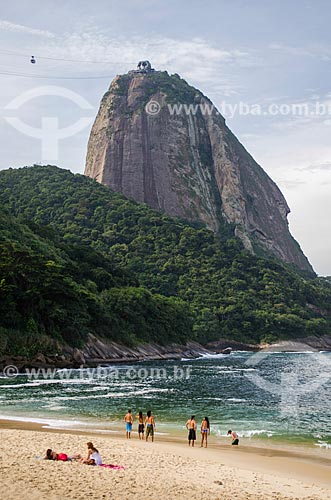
(98, 352)
(311, 343)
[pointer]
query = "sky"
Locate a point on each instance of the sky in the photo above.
(266, 65)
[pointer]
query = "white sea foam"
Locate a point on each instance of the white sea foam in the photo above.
(53, 407)
(322, 444)
(237, 400)
(212, 356)
(255, 432)
(142, 392)
(247, 433)
(45, 421)
(100, 431)
(235, 372)
(267, 351)
(19, 386)
(37, 383)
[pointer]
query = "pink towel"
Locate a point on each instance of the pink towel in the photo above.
(111, 466)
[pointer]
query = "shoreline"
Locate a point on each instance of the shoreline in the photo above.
(168, 431)
(164, 469)
(263, 449)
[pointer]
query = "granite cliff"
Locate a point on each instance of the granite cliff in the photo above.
(186, 162)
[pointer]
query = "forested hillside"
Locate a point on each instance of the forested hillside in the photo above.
(53, 292)
(78, 258)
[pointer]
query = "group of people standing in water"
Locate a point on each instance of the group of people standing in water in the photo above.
(148, 423)
(191, 426)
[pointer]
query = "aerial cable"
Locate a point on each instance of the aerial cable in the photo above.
(7, 73)
(19, 54)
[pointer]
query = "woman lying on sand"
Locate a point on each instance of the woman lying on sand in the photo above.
(52, 455)
(93, 456)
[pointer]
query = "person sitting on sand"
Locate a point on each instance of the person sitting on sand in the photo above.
(52, 455)
(191, 425)
(235, 437)
(205, 430)
(150, 425)
(128, 419)
(93, 456)
(141, 425)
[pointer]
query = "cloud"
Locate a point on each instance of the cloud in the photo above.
(93, 44)
(250, 136)
(291, 184)
(19, 28)
(90, 51)
(294, 51)
(318, 167)
(321, 52)
(292, 114)
(196, 59)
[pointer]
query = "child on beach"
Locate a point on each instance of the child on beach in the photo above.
(235, 437)
(191, 425)
(150, 425)
(205, 430)
(141, 425)
(128, 419)
(93, 456)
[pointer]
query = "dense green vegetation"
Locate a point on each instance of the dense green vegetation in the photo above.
(78, 258)
(53, 292)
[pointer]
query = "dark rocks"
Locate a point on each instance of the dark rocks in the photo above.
(99, 351)
(222, 345)
(305, 344)
(39, 359)
(78, 357)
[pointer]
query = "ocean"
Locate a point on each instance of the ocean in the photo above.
(279, 397)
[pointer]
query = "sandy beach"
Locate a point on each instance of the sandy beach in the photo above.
(159, 470)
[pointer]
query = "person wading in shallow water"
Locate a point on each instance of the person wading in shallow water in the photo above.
(141, 425)
(150, 425)
(205, 430)
(191, 425)
(235, 437)
(128, 419)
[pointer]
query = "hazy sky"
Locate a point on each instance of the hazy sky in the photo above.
(263, 56)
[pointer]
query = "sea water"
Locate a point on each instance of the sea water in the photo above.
(275, 396)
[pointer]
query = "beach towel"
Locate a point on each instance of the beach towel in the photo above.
(111, 466)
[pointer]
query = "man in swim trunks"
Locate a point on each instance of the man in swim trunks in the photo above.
(150, 425)
(128, 419)
(235, 437)
(191, 425)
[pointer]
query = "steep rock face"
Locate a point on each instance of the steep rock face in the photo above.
(186, 163)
